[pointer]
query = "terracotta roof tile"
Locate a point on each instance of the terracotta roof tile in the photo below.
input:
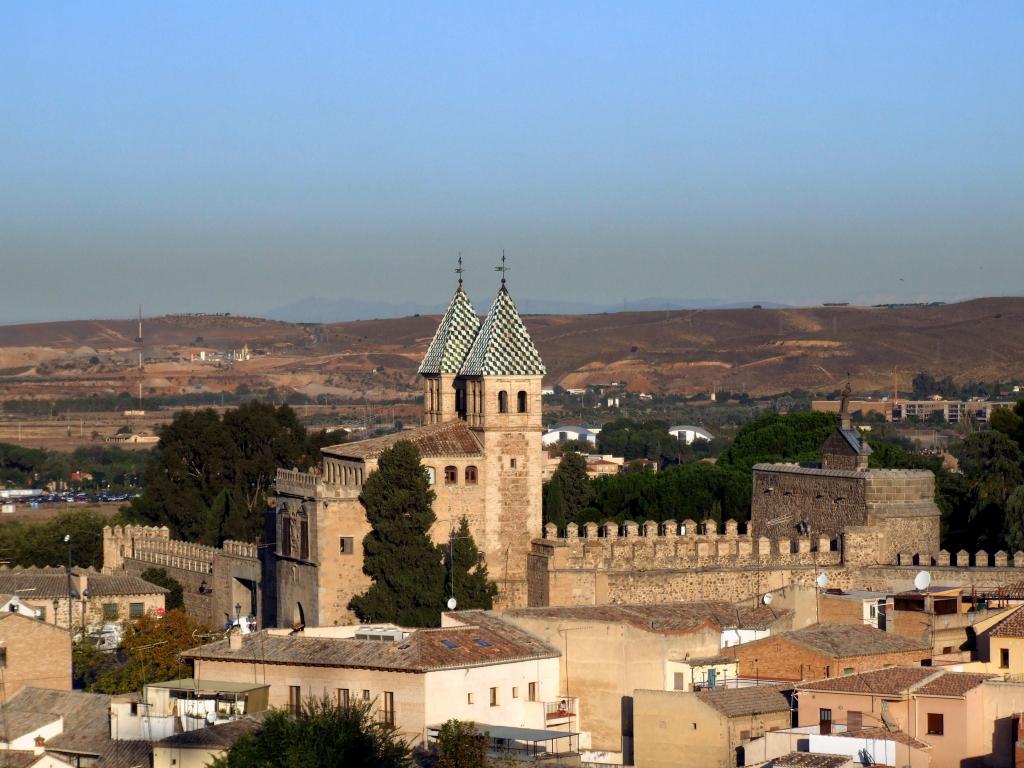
(126, 754)
(841, 641)
(811, 760)
(220, 736)
(665, 617)
(883, 735)
(449, 439)
(892, 681)
(1011, 626)
(952, 684)
(86, 717)
(485, 640)
(740, 702)
(53, 582)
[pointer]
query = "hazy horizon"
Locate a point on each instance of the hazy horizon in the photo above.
(242, 158)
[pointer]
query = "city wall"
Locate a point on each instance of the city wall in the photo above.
(217, 582)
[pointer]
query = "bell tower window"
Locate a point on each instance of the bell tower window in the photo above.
(521, 401)
(503, 402)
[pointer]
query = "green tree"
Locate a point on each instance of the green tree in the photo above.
(574, 485)
(151, 649)
(469, 580)
(777, 437)
(461, 745)
(398, 555)
(321, 735)
(1010, 421)
(1015, 520)
(991, 464)
(640, 440)
(175, 597)
(43, 544)
(554, 505)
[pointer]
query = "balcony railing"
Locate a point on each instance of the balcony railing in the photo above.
(561, 709)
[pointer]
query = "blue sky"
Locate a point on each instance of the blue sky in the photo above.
(242, 156)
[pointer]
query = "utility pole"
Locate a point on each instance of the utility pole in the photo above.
(67, 540)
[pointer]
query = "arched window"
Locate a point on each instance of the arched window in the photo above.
(521, 401)
(451, 475)
(503, 402)
(430, 475)
(471, 475)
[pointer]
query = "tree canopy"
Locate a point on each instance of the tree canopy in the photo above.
(321, 735)
(42, 544)
(208, 478)
(648, 439)
(175, 596)
(398, 555)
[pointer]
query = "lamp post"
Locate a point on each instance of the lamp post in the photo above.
(67, 540)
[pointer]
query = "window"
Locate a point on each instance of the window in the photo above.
(469, 698)
(1004, 658)
(451, 475)
(366, 695)
(135, 709)
(935, 724)
(679, 681)
(848, 670)
(389, 707)
(304, 539)
(531, 692)
(41, 613)
(515, 692)
(494, 697)
(471, 476)
(295, 699)
(343, 700)
(3, 658)
(430, 475)
(503, 402)
(346, 544)
(947, 649)
(136, 610)
(512, 463)
(825, 721)
(744, 735)
(521, 402)
(286, 537)
(110, 611)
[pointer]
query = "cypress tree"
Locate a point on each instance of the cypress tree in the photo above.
(576, 491)
(398, 555)
(468, 575)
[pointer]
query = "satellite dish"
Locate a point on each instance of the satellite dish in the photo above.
(452, 603)
(822, 580)
(922, 580)
(767, 599)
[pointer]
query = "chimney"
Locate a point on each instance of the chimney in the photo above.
(235, 640)
(80, 582)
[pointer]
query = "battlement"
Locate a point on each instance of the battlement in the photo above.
(312, 485)
(963, 559)
(678, 545)
(150, 544)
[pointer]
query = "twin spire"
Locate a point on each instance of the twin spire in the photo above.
(500, 346)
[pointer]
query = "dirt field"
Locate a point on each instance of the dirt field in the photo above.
(23, 513)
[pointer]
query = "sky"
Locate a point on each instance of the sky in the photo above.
(238, 157)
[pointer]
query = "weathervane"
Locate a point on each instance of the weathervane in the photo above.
(503, 269)
(459, 270)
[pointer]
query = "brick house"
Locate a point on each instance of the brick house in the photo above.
(825, 650)
(967, 718)
(33, 653)
(95, 598)
(710, 728)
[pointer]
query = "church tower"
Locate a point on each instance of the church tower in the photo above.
(501, 377)
(443, 396)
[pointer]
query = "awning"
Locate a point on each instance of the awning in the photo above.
(529, 735)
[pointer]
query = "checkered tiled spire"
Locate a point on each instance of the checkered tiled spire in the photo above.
(503, 347)
(454, 336)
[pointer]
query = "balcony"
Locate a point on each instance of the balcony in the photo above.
(561, 711)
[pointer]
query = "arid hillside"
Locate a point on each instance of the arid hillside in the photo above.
(760, 351)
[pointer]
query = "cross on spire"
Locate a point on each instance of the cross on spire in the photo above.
(502, 268)
(459, 270)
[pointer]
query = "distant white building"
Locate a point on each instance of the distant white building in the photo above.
(688, 433)
(562, 432)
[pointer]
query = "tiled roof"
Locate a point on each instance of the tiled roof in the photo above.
(486, 640)
(855, 440)
(1011, 626)
(53, 582)
(503, 346)
(892, 681)
(665, 617)
(221, 736)
(450, 438)
(811, 760)
(740, 702)
(453, 338)
(841, 641)
(19, 758)
(126, 754)
(86, 717)
(952, 684)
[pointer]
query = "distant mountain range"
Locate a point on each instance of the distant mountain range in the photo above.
(316, 309)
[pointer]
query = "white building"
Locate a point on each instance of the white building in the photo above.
(688, 433)
(562, 432)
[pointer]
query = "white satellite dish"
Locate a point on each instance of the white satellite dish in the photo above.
(767, 599)
(452, 603)
(922, 580)
(822, 580)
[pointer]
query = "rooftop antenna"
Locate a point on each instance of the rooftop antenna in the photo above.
(138, 339)
(503, 269)
(459, 270)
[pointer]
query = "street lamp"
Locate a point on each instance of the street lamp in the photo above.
(67, 540)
